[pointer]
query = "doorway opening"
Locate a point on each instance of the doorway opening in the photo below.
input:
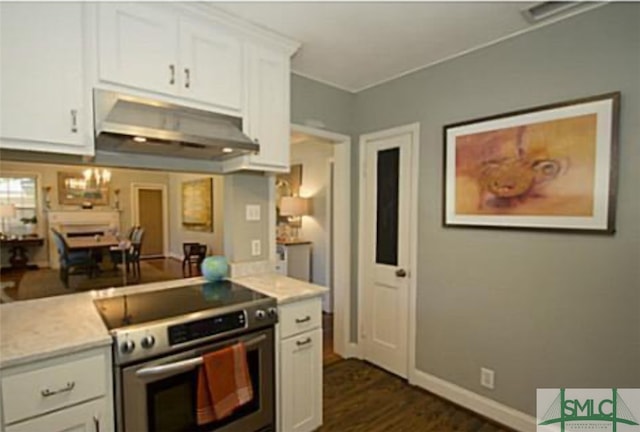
(320, 166)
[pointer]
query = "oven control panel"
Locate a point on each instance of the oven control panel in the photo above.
(193, 330)
(140, 342)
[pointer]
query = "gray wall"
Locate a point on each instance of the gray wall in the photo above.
(541, 309)
(178, 234)
(240, 190)
(312, 101)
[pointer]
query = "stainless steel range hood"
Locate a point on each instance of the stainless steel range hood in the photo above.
(131, 124)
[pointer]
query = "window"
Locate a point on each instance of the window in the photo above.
(20, 191)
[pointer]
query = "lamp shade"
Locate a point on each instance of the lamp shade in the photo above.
(294, 206)
(8, 210)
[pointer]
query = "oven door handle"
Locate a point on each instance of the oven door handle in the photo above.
(185, 365)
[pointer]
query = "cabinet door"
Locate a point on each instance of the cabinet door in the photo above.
(269, 108)
(211, 64)
(87, 417)
(42, 76)
(137, 46)
(301, 382)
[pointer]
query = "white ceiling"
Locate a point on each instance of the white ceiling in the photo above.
(355, 45)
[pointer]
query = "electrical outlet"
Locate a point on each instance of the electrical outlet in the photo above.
(255, 247)
(252, 212)
(487, 377)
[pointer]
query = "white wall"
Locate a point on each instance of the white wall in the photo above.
(314, 157)
(177, 233)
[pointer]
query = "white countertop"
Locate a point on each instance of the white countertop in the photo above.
(37, 329)
(282, 288)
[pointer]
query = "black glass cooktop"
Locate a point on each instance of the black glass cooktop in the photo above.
(141, 308)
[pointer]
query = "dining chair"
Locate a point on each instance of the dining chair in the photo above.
(194, 253)
(132, 254)
(80, 260)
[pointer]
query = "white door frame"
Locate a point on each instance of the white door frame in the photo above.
(342, 229)
(135, 210)
(329, 164)
(414, 130)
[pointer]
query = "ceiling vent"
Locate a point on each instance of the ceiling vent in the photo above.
(544, 10)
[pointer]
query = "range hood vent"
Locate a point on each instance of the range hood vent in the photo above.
(131, 124)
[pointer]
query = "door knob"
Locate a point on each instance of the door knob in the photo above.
(401, 273)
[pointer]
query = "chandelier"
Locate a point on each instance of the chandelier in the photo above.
(96, 177)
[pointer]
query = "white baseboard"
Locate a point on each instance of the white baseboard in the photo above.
(353, 351)
(480, 404)
(176, 256)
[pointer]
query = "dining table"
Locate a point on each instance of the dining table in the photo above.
(101, 242)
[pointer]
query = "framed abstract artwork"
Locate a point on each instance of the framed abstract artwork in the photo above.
(197, 205)
(552, 167)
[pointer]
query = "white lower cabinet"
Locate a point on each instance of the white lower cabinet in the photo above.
(87, 417)
(300, 380)
(66, 393)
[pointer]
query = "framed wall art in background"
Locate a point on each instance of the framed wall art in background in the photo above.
(197, 205)
(83, 188)
(552, 167)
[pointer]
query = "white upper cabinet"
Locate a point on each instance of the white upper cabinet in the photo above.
(41, 78)
(211, 64)
(151, 47)
(268, 114)
(137, 46)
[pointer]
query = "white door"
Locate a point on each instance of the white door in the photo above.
(41, 81)
(211, 64)
(386, 261)
(137, 46)
(269, 107)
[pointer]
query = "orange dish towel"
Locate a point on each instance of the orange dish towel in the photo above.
(224, 383)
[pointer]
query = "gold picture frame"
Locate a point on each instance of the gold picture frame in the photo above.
(197, 205)
(73, 189)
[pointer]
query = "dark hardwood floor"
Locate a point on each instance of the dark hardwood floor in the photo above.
(44, 282)
(171, 266)
(359, 397)
(328, 355)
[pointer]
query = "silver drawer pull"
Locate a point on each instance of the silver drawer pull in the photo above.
(303, 320)
(307, 341)
(67, 388)
(172, 70)
(74, 121)
(187, 76)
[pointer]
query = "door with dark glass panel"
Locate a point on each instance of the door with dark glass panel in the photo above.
(387, 231)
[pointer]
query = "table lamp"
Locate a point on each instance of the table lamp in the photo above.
(7, 211)
(294, 208)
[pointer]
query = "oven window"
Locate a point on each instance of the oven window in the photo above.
(171, 402)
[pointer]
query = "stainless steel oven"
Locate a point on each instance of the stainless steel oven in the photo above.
(160, 338)
(160, 395)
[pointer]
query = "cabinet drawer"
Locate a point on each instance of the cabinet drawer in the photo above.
(38, 391)
(299, 317)
(87, 417)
